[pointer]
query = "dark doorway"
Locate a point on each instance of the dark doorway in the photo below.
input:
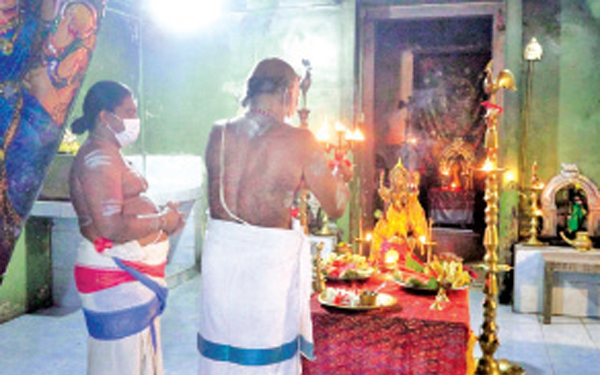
(427, 111)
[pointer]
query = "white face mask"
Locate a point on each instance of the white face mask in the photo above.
(130, 133)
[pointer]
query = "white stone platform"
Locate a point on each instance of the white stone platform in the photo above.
(573, 294)
(178, 179)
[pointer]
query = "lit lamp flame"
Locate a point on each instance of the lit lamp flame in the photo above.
(339, 127)
(355, 136)
(391, 259)
(413, 141)
(509, 177)
(368, 237)
(323, 134)
(348, 135)
(538, 185)
(423, 243)
(488, 166)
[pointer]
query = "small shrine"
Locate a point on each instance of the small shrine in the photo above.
(453, 201)
(555, 213)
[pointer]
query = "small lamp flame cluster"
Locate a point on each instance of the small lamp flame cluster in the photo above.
(345, 139)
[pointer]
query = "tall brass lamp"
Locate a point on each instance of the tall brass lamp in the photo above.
(488, 339)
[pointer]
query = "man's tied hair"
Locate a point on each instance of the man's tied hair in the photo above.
(264, 85)
(268, 77)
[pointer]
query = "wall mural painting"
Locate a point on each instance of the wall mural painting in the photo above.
(45, 49)
(447, 104)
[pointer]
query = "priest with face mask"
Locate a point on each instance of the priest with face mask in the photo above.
(120, 268)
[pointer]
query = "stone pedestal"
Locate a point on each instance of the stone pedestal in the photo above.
(573, 293)
(171, 178)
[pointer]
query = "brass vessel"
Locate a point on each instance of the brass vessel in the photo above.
(368, 298)
(581, 242)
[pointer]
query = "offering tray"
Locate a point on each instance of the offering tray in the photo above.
(352, 277)
(425, 288)
(347, 267)
(382, 300)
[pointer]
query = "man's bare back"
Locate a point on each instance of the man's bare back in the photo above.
(266, 162)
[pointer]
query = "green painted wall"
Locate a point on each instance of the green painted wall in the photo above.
(579, 89)
(564, 110)
(13, 292)
(116, 57)
(542, 21)
(28, 281)
(192, 80)
(510, 131)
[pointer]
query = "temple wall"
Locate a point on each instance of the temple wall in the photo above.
(579, 118)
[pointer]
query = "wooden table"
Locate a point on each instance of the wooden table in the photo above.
(408, 338)
(568, 262)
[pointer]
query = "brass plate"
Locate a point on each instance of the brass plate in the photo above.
(425, 289)
(362, 277)
(383, 300)
(355, 278)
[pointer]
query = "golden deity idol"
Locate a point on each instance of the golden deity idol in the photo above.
(404, 219)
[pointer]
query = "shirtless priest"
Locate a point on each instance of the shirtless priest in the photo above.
(256, 269)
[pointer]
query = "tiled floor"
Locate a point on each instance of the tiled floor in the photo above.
(52, 342)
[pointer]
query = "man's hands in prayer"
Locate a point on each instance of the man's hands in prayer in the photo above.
(173, 218)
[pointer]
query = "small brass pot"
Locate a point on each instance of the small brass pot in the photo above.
(368, 298)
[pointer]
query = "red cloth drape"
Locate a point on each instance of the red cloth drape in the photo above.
(406, 339)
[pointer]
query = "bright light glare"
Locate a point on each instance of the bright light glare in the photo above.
(184, 16)
(488, 166)
(339, 127)
(323, 134)
(509, 177)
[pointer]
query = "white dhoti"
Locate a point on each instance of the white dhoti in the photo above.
(254, 301)
(123, 292)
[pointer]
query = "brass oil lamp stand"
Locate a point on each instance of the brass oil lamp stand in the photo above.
(488, 338)
(319, 278)
(303, 114)
(534, 190)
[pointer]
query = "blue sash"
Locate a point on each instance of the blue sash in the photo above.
(254, 357)
(114, 325)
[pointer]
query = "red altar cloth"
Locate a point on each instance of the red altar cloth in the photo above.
(408, 338)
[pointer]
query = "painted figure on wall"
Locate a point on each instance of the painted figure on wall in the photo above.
(45, 48)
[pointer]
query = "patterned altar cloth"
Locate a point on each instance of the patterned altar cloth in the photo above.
(408, 338)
